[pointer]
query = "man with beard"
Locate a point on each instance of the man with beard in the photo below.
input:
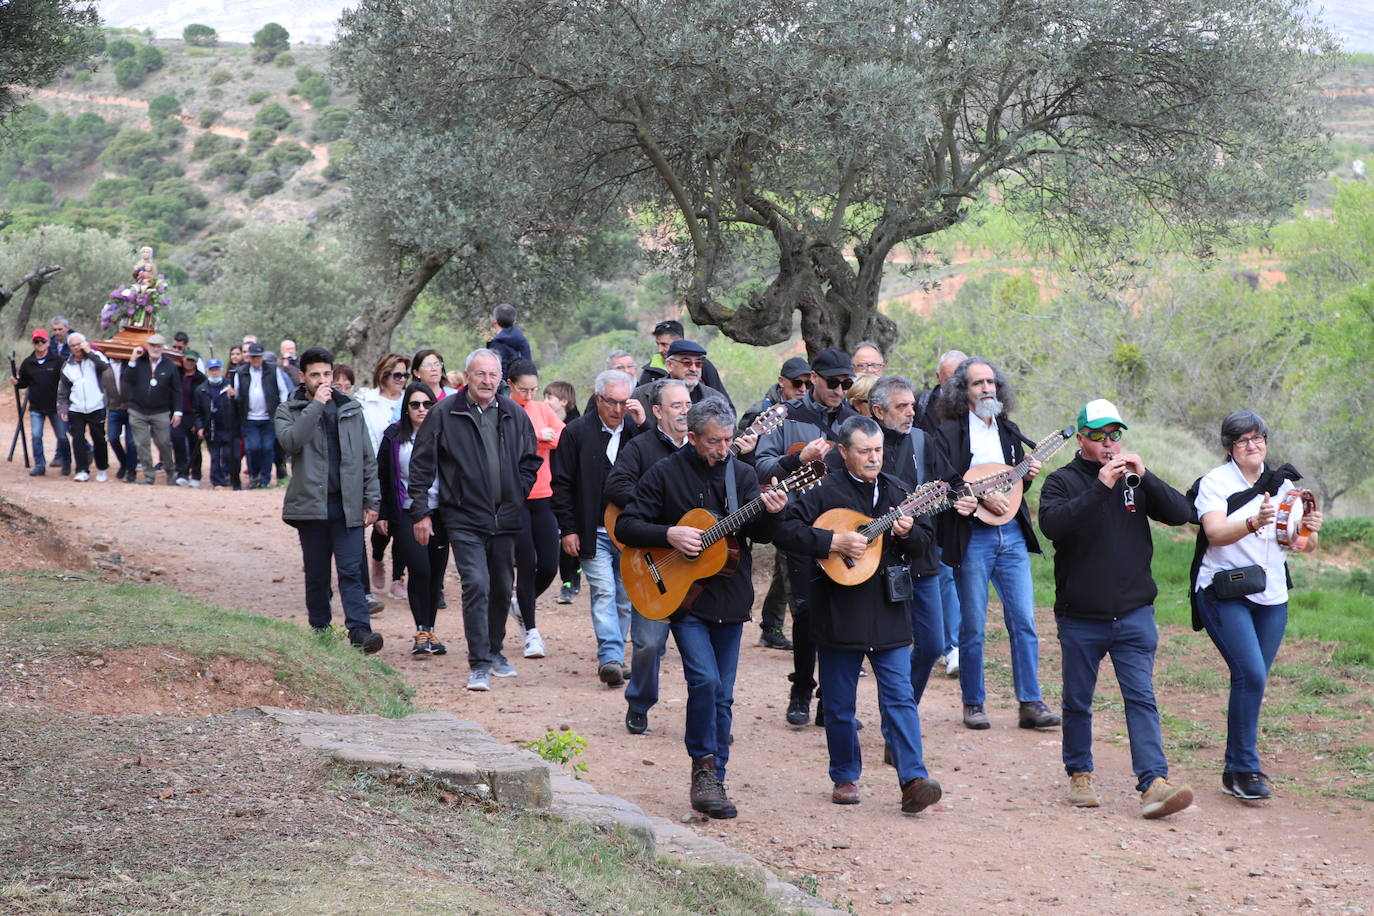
(975, 430)
(685, 361)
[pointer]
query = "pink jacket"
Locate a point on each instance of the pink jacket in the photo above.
(542, 417)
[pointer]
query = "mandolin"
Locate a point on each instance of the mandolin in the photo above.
(662, 580)
(992, 477)
(767, 421)
(842, 570)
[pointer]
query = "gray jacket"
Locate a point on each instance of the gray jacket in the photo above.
(297, 423)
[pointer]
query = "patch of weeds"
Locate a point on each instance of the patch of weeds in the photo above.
(1359, 760)
(1324, 685)
(1187, 734)
(560, 748)
(1189, 677)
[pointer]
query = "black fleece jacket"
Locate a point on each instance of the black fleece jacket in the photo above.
(1102, 550)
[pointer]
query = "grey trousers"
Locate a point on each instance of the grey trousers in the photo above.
(486, 565)
(146, 426)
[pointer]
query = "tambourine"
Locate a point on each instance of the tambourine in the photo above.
(1289, 529)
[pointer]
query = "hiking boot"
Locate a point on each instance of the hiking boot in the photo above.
(480, 680)
(799, 709)
(636, 723)
(845, 793)
(612, 674)
(1036, 715)
(1248, 786)
(565, 594)
(1164, 798)
(706, 792)
(920, 794)
(1081, 792)
(436, 647)
(377, 571)
(421, 645)
(534, 644)
(773, 638)
(974, 717)
(502, 668)
(367, 640)
(38, 472)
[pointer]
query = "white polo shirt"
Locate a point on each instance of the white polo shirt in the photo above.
(1259, 549)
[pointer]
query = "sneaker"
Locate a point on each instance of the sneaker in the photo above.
(375, 605)
(845, 793)
(436, 647)
(611, 674)
(1081, 791)
(799, 709)
(183, 482)
(1248, 786)
(66, 470)
(502, 668)
(565, 594)
(773, 638)
(195, 483)
(377, 571)
(974, 717)
(1036, 715)
(81, 476)
(517, 617)
(952, 662)
(421, 645)
(636, 723)
(479, 679)
(38, 472)
(102, 476)
(1164, 798)
(534, 644)
(398, 589)
(920, 794)
(368, 640)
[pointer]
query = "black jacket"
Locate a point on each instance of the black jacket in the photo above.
(448, 443)
(633, 460)
(854, 616)
(953, 458)
(1102, 550)
(510, 344)
(578, 477)
(216, 414)
(806, 420)
(141, 392)
(271, 391)
(42, 380)
(684, 481)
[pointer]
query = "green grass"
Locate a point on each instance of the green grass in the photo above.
(74, 614)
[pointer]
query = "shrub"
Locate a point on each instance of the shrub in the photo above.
(202, 36)
(82, 76)
(260, 139)
(215, 94)
(31, 192)
(153, 208)
(115, 192)
(131, 148)
(183, 190)
(121, 48)
(128, 73)
(331, 123)
(227, 163)
(257, 97)
(272, 116)
(285, 158)
(206, 145)
(304, 73)
(317, 90)
(207, 117)
(285, 59)
(154, 170)
(220, 77)
(269, 41)
(338, 159)
(169, 128)
(264, 183)
(150, 58)
(163, 106)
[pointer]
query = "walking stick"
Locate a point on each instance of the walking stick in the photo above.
(21, 402)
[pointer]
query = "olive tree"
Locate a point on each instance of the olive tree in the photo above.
(39, 38)
(823, 136)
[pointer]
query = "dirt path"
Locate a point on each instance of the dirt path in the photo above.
(1003, 840)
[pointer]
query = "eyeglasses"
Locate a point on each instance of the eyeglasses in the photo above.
(837, 382)
(870, 367)
(1097, 435)
(1251, 441)
(400, 376)
(420, 405)
(618, 405)
(429, 364)
(690, 363)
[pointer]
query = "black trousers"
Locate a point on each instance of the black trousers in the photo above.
(779, 596)
(186, 444)
(426, 564)
(77, 424)
(536, 556)
(379, 542)
(321, 542)
(803, 676)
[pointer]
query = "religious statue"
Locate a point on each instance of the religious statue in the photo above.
(138, 304)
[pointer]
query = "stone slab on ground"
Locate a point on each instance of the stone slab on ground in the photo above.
(459, 755)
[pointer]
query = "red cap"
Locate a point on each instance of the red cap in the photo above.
(40, 334)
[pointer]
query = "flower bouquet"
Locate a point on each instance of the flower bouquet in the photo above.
(136, 304)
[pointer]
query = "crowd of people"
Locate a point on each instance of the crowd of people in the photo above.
(506, 478)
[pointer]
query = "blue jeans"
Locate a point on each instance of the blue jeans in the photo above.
(221, 461)
(610, 605)
(710, 656)
(259, 437)
(321, 541)
(997, 554)
(927, 629)
(63, 448)
(1248, 636)
(651, 640)
(126, 453)
(1131, 642)
(949, 600)
(839, 677)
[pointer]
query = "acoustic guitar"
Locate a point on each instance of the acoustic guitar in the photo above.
(662, 580)
(993, 477)
(766, 421)
(842, 570)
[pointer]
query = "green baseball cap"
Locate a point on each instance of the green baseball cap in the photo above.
(1099, 413)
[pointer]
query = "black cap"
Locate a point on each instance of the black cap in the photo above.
(794, 367)
(685, 348)
(668, 327)
(255, 349)
(831, 362)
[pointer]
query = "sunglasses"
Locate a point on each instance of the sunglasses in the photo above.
(400, 376)
(1098, 435)
(801, 382)
(833, 383)
(420, 405)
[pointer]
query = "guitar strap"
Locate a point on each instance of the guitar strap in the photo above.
(731, 487)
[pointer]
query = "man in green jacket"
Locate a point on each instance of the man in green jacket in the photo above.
(333, 494)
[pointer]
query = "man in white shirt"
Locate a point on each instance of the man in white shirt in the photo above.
(81, 405)
(259, 392)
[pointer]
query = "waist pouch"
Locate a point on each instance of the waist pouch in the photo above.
(1238, 582)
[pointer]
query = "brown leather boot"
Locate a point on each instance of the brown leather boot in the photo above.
(708, 795)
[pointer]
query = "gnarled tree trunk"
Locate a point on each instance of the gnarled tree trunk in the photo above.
(368, 335)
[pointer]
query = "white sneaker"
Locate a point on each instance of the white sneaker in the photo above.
(182, 482)
(515, 615)
(534, 644)
(195, 483)
(101, 476)
(952, 663)
(81, 476)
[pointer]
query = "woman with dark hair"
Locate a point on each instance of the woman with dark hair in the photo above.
(1240, 587)
(426, 563)
(536, 547)
(235, 359)
(381, 408)
(344, 378)
(428, 369)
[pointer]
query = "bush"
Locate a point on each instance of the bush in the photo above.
(202, 36)
(31, 192)
(128, 73)
(272, 116)
(206, 145)
(131, 148)
(82, 76)
(285, 158)
(338, 159)
(183, 190)
(120, 49)
(257, 97)
(304, 73)
(215, 94)
(285, 59)
(169, 128)
(154, 170)
(331, 123)
(115, 192)
(269, 41)
(317, 90)
(220, 77)
(260, 139)
(227, 163)
(163, 106)
(153, 208)
(264, 183)
(150, 58)
(207, 117)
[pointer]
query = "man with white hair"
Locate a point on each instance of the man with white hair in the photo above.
(81, 405)
(478, 448)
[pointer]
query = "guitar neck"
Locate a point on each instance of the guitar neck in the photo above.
(926, 498)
